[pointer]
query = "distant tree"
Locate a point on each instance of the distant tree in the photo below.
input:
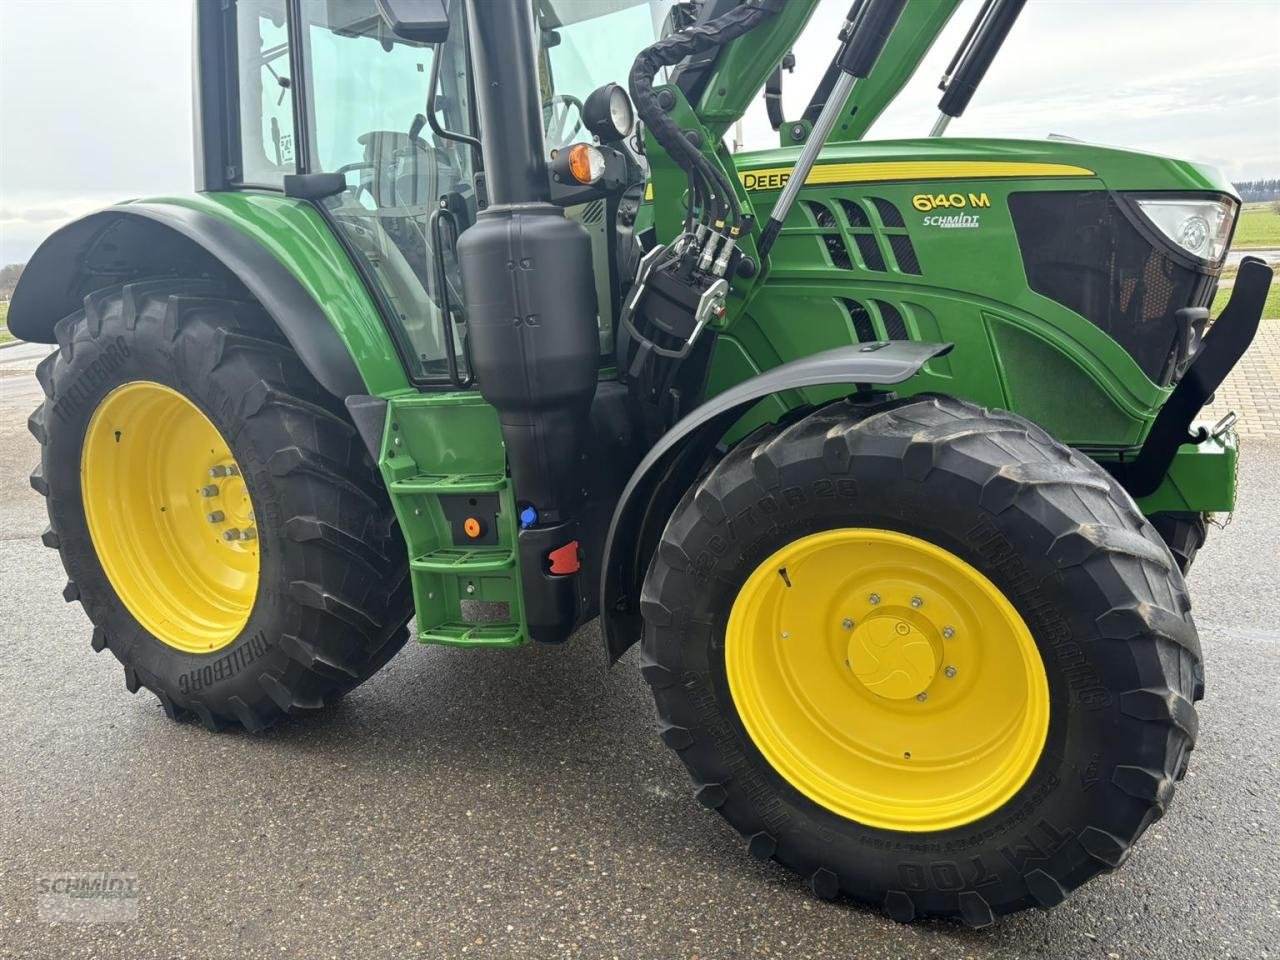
(1275, 206)
(1252, 191)
(9, 275)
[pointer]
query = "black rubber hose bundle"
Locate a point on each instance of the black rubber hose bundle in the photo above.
(667, 53)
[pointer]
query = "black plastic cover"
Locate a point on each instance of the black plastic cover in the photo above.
(418, 21)
(1082, 249)
(531, 311)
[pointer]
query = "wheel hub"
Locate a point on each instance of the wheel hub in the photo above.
(893, 658)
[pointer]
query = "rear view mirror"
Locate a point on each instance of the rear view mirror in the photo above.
(419, 21)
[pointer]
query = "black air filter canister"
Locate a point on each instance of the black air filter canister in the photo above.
(531, 312)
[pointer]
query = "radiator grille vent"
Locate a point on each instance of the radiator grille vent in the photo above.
(863, 328)
(856, 216)
(904, 253)
(866, 234)
(889, 214)
(870, 251)
(895, 328)
(822, 214)
(838, 252)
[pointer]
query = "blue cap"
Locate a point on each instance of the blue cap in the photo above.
(528, 517)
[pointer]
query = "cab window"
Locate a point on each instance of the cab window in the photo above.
(266, 101)
(366, 92)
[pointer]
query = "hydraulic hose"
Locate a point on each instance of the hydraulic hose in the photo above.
(667, 53)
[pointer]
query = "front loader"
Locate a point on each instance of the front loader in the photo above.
(887, 453)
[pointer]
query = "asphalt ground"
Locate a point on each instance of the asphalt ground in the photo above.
(519, 804)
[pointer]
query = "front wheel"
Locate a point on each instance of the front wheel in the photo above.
(923, 655)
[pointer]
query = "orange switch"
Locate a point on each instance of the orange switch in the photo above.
(472, 528)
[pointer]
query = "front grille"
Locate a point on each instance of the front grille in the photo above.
(1080, 249)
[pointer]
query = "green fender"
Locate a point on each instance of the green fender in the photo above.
(282, 250)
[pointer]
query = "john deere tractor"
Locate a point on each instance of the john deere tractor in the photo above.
(886, 453)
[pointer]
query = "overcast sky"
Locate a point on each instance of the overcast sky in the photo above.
(95, 94)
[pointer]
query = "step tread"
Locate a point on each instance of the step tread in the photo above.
(457, 633)
(464, 559)
(451, 483)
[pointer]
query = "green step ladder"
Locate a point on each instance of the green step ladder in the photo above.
(444, 462)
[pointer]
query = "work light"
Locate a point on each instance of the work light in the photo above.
(608, 113)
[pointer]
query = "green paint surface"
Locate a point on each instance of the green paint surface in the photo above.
(296, 235)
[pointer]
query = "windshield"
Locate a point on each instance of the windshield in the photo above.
(586, 44)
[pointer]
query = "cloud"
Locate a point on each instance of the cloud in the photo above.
(33, 215)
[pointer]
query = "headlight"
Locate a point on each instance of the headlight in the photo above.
(1200, 227)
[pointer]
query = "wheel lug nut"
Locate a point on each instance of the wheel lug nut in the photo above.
(922, 696)
(847, 623)
(222, 470)
(917, 602)
(248, 533)
(209, 490)
(873, 599)
(217, 516)
(948, 632)
(232, 534)
(950, 672)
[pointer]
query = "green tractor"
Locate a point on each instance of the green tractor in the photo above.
(886, 453)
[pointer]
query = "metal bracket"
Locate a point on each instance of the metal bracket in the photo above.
(1223, 345)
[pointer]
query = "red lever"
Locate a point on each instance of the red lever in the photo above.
(565, 559)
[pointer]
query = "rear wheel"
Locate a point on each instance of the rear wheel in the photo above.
(923, 655)
(218, 516)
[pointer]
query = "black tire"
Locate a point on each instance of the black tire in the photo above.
(1183, 533)
(1091, 578)
(333, 596)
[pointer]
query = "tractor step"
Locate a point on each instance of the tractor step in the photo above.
(466, 560)
(474, 634)
(466, 593)
(451, 483)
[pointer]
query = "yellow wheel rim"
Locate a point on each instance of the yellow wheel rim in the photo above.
(887, 680)
(170, 516)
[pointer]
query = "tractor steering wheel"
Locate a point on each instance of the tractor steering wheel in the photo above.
(556, 119)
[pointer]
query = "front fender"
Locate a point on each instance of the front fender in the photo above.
(675, 460)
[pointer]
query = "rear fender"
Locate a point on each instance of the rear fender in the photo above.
(676, 459)
(143, 240)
